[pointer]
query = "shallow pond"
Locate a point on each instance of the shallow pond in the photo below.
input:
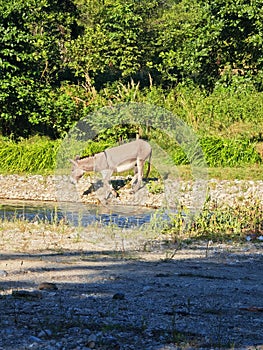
(76, 214)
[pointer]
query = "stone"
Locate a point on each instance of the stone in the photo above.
(47, 286)
(92, 341)
(118, 296)
(34, 339)
(45, 333)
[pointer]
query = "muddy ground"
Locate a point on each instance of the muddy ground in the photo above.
(67, 289)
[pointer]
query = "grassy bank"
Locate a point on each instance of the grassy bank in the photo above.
(226, 158)
(228, 123)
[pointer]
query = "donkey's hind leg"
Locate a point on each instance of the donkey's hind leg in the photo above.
(138, 175)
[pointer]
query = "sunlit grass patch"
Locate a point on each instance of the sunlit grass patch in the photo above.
(35, 155)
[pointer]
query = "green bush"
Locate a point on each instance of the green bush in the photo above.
(220, 152)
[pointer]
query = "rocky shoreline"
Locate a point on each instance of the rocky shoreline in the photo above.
(58, 188)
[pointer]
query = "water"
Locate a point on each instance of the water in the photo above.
(75, 214)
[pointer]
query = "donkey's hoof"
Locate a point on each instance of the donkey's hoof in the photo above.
(103, 201)
(114, 193)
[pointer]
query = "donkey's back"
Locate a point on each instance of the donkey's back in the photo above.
(132, 151)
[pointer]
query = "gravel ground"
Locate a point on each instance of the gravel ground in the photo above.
(63, 289)
(57, 188)
(97, 288)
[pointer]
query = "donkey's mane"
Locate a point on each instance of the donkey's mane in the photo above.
(83, 157)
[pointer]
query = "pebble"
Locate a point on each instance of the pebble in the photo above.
(45, 333)
(86, 331)
(118, 296)
(35, 339)
(92, 341)
(47, 286)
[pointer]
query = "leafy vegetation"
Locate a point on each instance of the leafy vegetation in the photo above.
(59, 61)
(38, 155)
(221, 223)
(32, 56)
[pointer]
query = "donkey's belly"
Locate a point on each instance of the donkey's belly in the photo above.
(125, 166)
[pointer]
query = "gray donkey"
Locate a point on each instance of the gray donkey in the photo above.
(128, 156)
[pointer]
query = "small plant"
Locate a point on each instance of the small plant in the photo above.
(155, 187)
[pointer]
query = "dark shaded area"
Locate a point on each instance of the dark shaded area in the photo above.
(204, 303)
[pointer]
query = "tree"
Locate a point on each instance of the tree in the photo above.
(199, 39)
(32, 63)
(240, 37)
(117, 42)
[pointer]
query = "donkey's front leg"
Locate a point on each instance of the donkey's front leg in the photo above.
(107, 188)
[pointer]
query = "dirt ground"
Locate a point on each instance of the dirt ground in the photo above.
(62, 289)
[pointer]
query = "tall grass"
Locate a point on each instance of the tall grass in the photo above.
(222, 152)
(226, 122)
(218, 151)
(229, 111)
(36, 155)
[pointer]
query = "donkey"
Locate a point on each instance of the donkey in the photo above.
(131, 155)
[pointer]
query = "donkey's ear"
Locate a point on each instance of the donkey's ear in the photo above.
(77, 157)
(73, 162)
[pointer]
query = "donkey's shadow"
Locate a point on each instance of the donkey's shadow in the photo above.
(116, 185)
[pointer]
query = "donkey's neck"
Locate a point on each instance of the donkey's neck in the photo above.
(87, 163)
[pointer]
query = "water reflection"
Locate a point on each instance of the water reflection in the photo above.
(84, 215)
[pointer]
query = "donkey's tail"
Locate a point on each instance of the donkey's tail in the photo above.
(149, 164)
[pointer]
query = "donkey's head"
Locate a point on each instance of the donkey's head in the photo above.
(80, 166)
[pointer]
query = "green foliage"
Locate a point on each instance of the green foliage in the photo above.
(37, 155)
(219, 152)
(96, 147)
(60, 61)
(200, 39)
(229, 152)
(32, 57)
(116, 41)
(227, 112)
(181, 46)
(155, 187)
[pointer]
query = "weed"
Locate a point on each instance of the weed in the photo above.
(221, 223)
(155, 187)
